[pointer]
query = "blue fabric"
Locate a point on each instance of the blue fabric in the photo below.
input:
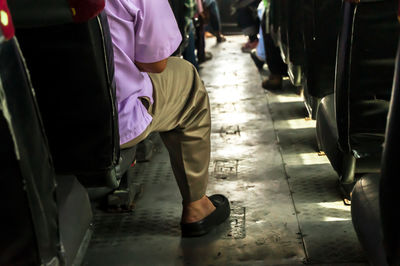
(208, 2)
(188, 54)
(260, 46)
(215, 18)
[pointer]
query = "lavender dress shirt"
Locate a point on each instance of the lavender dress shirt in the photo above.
(143, 31)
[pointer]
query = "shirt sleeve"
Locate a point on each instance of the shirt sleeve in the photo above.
(157, 35)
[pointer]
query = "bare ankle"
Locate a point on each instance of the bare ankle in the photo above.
(197, 210)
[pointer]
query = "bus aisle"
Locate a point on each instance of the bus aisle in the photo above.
(285, 206)
(324, 219)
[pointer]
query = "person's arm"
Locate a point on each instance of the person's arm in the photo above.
(156, 67)
(157, 34)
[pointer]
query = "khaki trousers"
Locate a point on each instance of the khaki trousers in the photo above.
(181, 113)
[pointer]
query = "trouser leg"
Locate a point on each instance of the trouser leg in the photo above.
(215, 19)
(189, 151)
(200, 41)
(189, 52)
(181, 113)
(273, 57)
(248, 20)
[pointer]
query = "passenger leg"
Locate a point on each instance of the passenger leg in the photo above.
(181, 113)
(189, 52)
(215, 21)
(202, 55)
(249, 23)
(275, 64)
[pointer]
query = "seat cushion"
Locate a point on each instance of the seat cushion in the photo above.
(364, 74)
(327, 131)
(75, 216)
(367, 126)
(366, 217)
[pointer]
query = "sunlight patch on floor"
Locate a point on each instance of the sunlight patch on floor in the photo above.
(338, 205)
(288, 98)
(335, 219)
(298, 123)
(310, 158)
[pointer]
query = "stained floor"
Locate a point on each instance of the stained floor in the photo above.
(285, 206)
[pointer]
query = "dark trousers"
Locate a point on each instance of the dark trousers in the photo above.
(273, 54)
(189, 52)
(200, 40)
(214, 25)
(248, 20)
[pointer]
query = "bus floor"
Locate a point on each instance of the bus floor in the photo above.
(285, 206)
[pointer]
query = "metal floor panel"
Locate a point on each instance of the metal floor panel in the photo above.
(247, 166)
(325, 221)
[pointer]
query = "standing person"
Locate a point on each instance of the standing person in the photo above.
(278, 69)
(248, 22)
(166, 95)
(189, 52)
(214, 25)
(200, 20)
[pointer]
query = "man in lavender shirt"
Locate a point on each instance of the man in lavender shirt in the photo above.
(158, 93)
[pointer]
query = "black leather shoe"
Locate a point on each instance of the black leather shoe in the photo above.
(207, 56)
(204, 226)
(272, 85)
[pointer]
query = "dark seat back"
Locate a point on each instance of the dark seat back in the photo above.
(286, 23)
(283, 21)
(390, 182)
(375, 197)
(73, 75)
(365, 66)
(295, 43)
(320, 31)
(295, 31)
(275, 15)
(29, 232)
(278, 25)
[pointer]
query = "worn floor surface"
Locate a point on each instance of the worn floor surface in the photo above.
(285, 206)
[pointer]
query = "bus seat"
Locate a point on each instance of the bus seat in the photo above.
(19, 243)
(72, 72)
(285, 29)
(275, 20)
(320, 31)
(74, 223)
(327, 137)
(33, 231)
(327, 131)
(294, 40)
(364, 73)
(374, 206)
(390, 182)
(366, 218)
(282, 23)
(375, 196)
